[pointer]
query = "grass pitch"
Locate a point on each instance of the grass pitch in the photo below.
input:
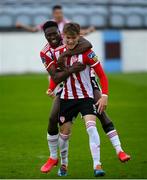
(24, 111)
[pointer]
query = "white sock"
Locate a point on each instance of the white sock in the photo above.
(53, 145)
(114, 138)
(94, 142)
(63, 145)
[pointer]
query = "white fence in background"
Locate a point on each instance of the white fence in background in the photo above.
(19, 52)
(134, 51)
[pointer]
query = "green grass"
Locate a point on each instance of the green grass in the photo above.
(24, 111)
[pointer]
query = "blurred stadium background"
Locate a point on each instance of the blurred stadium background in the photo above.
(120, 40)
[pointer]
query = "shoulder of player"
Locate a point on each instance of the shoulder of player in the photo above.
(46, 48)
(90, 57)
(89, 51)
(60, 48)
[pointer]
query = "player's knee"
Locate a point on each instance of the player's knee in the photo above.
(97, 95)
(52, 127)
(52, 131)
(104, 119)
(65, 129)
(108, 127)
(90, 126)
(64, 136)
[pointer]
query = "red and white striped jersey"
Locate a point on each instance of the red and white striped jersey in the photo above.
(47, 56)
(78, 85)
(92, 72)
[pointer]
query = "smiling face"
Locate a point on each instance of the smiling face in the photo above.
(71, 34)
(71, 40)
(53, 36)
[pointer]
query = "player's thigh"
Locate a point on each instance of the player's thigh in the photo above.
(96, 89)
(68, 111)
(95, 84)
(87, 107)
(55, 108)
(66, 128)
(97, 94)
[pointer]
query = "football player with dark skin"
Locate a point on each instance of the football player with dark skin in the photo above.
(107, 124)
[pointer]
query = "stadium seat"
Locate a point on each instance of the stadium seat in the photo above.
(6, 20)
(134, 20)
(98, 20)
(22, 10)
(67, 12)
(145, 20)
(81, 19)
(41, 9)
(80, 15)
(39, 19)
(23, 18)
(99, 10)
(118, 10)
(120, 13)
(117, 20)
(132, 2)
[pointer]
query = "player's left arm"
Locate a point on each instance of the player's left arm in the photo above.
(51, 88)
(103, 101)
(91, 59)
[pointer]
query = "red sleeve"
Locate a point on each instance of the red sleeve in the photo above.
(52, 84)
(47, 59)
(90, 58)
(103, 78)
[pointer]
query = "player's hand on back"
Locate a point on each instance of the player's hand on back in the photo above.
(77, 67)
(102, 103)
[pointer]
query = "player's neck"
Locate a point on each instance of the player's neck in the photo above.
(59, 20)
(59, 44)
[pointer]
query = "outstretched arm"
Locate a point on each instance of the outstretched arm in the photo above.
(27, 27)
(86, 31)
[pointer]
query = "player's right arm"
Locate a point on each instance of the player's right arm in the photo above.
(57, 75)
(27, 27)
